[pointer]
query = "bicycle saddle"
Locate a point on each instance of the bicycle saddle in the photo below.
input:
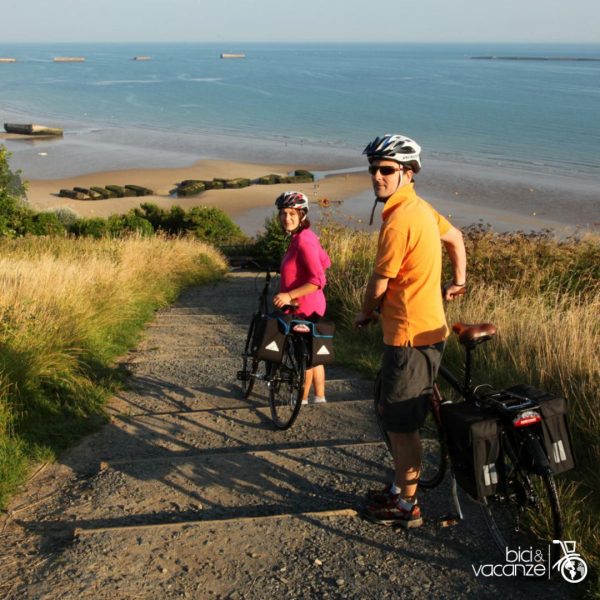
(471, 335)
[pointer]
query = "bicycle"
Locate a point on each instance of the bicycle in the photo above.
(250, 363)
(525, 491)
(284, 378)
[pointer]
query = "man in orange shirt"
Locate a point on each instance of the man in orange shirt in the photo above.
(405, 287)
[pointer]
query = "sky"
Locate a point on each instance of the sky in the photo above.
(554, 21)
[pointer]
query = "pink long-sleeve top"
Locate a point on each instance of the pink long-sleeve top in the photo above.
(305, 261)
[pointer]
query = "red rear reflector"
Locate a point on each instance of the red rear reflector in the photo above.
(529, 417)
(301, 328)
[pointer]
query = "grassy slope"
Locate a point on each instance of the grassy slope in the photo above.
(68, 308)
(544, 297)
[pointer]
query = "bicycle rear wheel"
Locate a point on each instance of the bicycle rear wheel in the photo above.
(524, 511)
(434, 458)
(249, 363)
(286, 385)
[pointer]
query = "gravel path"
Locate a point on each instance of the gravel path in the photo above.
(189, 491)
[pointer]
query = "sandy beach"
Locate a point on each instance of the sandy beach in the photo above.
(43, 194)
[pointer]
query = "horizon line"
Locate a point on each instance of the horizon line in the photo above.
(323, 42)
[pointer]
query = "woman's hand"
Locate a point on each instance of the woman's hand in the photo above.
(283, 299)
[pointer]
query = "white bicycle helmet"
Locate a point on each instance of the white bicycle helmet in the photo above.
(396, 147)
(292, 200)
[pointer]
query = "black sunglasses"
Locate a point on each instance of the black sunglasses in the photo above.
(385, 170)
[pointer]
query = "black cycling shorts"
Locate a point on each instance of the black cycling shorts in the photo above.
(407, 377)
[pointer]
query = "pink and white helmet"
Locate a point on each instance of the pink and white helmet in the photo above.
(292, 200)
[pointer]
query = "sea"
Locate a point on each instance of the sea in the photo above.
(455, 103)
(517, 105)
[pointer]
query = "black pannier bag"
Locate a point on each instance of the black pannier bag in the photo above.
(557, 439)
(269, 336)
(321, 347)
(473, 438)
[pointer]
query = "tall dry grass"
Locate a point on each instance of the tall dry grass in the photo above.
(543, 294)
(67, 309)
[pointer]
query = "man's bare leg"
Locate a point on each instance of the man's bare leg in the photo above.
(407, 453)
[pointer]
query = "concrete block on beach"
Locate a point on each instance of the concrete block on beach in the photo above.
(190, 187)
(118, 191)
(271, 179)
(31, 129)
(65, 193)
(238, 182)
(303, 174)
(138, 190)
(103, 192)
(216, 184)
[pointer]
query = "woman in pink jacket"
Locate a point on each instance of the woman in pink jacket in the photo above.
(302, 275)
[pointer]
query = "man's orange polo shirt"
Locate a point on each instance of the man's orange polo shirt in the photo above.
(409, 253)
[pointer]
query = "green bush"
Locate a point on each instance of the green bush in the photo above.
(212, 225)
(44, 223)
(66, 216)
(271, 245)
(95, 227)
(129, 223)
(12, 197)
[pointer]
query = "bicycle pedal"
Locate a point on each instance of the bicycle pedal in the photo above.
(449, 520)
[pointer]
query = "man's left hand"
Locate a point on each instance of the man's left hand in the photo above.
(451, 291)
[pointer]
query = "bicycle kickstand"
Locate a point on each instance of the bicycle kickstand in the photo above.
(451, 519)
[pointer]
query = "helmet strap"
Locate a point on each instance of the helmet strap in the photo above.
(373, 210)
(383, 200)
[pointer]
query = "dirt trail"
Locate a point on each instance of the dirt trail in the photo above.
(189, 491)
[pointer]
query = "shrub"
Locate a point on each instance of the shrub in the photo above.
(12, 197)
(90, 227)
(66, 216)
(44, 223)
(271, 245)
(212, 225)
(127, 224)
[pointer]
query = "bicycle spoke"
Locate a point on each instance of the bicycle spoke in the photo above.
(286, 387)
(524, 512)
(434, 461)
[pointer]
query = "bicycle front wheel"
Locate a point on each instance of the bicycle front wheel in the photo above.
(286, 385)
(434, 456)
(524, 511)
